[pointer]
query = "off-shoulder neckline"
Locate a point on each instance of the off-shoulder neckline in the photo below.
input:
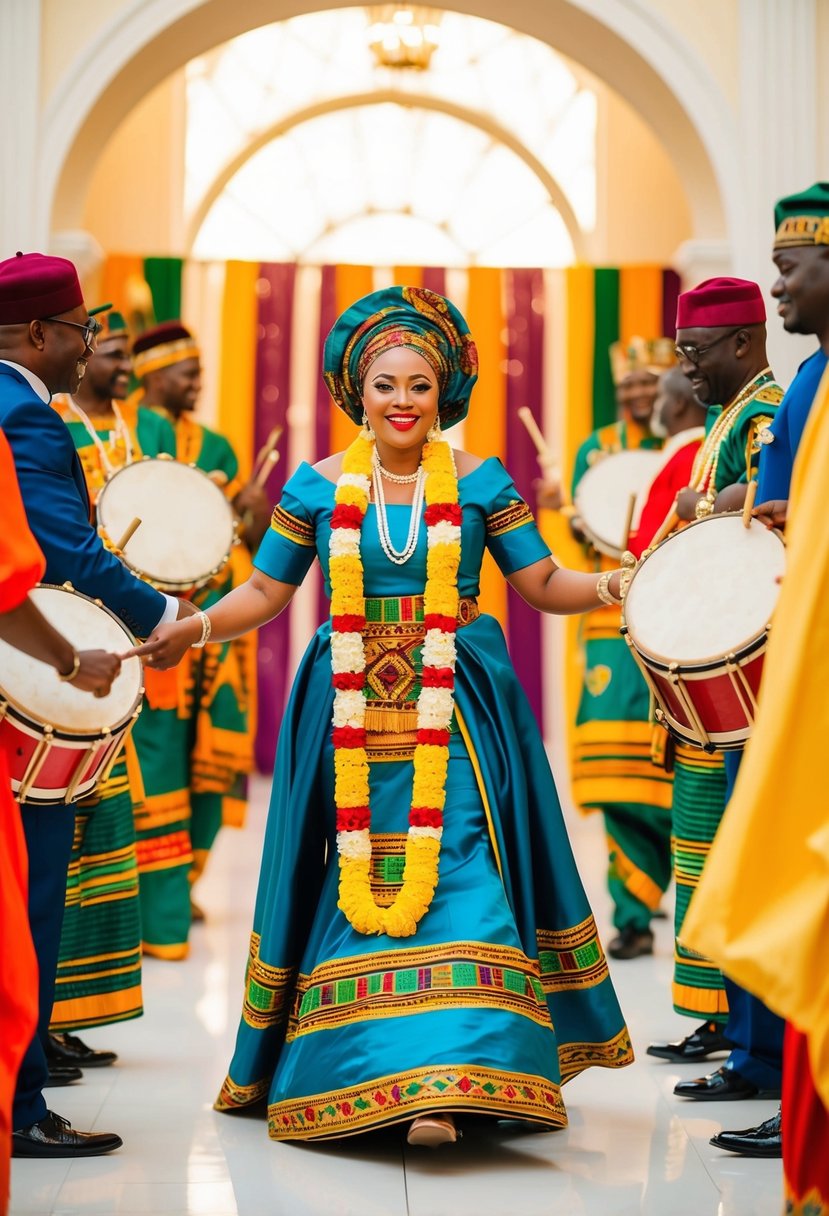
(304, 464)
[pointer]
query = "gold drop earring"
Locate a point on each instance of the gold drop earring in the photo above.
(368, 433)
(434, 434)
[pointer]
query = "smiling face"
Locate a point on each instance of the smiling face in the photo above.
(636, 395)
(108, 372)
(400, 397)
(802, 289)
(177, 387)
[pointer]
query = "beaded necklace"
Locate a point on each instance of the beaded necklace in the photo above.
(704, 470)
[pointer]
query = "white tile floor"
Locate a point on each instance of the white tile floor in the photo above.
(631, 1147)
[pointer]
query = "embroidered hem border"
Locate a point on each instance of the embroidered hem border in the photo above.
(386, 1100)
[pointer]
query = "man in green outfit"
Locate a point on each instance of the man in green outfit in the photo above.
(721, 348)
(99, 966)
(195, 736)
(612, 769)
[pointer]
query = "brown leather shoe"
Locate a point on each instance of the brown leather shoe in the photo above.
(631, 943)
(55, 1137)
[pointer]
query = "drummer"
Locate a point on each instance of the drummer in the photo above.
(23, 626)
(721, 347)
(108, 432)
(612, 768)
(195, 736)
(802, 294)
(39, 357)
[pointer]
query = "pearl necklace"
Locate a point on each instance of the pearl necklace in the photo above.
(398, 556)
(399, 479)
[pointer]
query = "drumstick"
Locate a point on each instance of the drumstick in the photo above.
(748, 505)
(265, 469)
(128, 535)
(629, 520)
(546, 459)
(263, 454)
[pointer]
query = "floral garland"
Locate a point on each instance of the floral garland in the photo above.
(435, 703)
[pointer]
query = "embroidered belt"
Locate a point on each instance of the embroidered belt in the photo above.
(408, 609)
(393, 640)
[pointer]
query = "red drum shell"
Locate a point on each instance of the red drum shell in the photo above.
(692, 587)
(59, 741)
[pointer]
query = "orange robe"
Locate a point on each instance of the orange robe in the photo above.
(21, 566)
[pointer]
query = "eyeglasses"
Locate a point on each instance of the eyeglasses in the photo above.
(90, 328)
(687, 350)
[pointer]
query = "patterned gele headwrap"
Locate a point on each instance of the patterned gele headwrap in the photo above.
(401, 316)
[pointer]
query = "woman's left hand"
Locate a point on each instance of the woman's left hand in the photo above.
(167, 644)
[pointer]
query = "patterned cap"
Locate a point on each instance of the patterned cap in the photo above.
(654, 355)
(162, 347)
(401, 316)
(113, 326)
(803, 219)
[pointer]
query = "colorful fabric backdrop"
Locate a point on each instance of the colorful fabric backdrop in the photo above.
(542, 336)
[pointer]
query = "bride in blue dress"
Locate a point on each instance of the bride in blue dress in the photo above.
(378, 992)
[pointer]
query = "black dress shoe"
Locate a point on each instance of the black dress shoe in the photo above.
(68, 1049)
(724, 1085)
(62, 1074)
(762, 1141)
(631, 943)
(707, 1040)
(54, 1137)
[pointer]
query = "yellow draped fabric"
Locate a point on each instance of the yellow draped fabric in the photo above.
(485, 428)
(351, 283)
(762, 908)
(237, 371)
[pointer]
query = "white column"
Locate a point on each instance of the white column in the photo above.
(779, 117)
(20, 22)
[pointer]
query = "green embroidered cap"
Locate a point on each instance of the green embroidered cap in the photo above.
(401, 316)
(803, 219)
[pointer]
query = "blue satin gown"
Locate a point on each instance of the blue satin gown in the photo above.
(503, 993)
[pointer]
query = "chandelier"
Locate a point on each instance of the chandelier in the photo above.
(403, 35)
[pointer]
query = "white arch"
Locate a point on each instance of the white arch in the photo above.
(624, 42)
(413, 101)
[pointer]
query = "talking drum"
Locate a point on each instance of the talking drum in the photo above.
(606, 493)
(187, 527)
(696, 617)
(59, 740)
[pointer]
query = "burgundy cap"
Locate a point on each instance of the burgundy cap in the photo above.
(160, 335)
(34, 286)
(717, 303)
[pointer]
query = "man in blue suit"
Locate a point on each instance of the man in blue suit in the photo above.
(46, 337)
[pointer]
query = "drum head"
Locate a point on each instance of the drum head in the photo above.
(604, 494)
(705, 592)
(186, 530)
(34, 687)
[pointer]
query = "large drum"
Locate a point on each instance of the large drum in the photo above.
(187, 525)
(605, 495)
(696, 616)
(59, 740)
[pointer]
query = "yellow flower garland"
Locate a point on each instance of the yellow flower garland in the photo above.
(431, 758)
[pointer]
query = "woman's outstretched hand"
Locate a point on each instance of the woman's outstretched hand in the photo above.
(167, 644)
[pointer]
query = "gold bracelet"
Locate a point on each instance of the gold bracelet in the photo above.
(603, 590)
(206, 627)
(76, 666)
